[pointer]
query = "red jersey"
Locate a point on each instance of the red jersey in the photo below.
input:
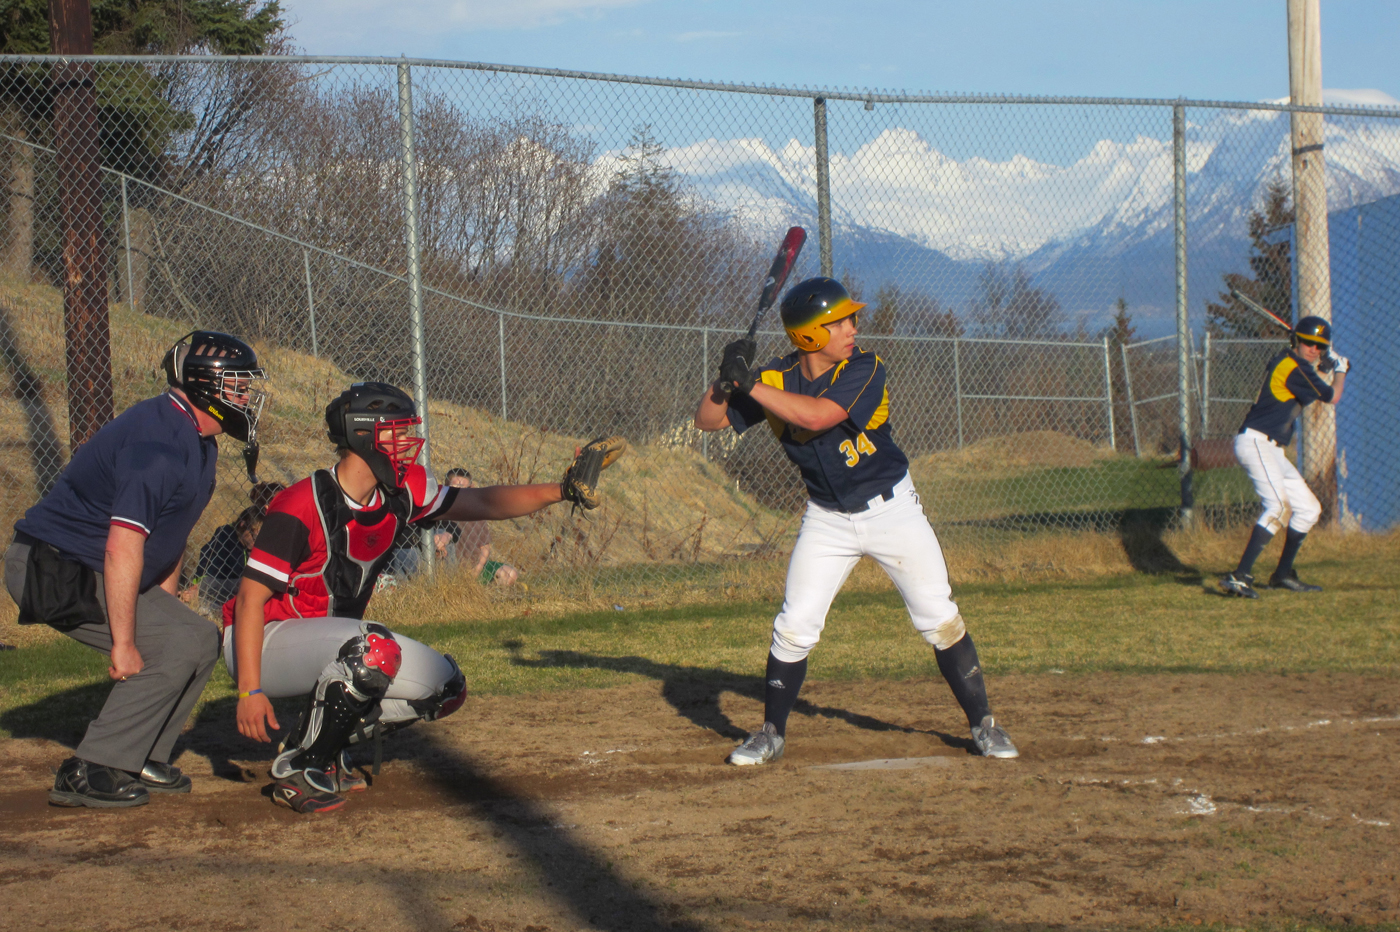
(319, 552)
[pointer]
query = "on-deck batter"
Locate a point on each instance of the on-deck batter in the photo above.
(827, 404)
(1291, 382)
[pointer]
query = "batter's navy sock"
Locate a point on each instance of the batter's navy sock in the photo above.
(1258, 539)
(960, 668)
(1292, 540)
(782, 681)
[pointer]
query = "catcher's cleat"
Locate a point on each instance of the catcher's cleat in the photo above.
(761, 747)
(1292, 583)
(307, 791)
(163, 778)
(83, 783)
(344, 776)
(993, 741)
(1238, 584)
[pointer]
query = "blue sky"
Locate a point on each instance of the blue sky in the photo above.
(1221, 49)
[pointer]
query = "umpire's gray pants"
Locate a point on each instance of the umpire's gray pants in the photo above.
(145, 713)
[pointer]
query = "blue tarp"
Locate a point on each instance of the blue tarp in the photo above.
(1365, 259)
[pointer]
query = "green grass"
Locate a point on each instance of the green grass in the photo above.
(1134, 624)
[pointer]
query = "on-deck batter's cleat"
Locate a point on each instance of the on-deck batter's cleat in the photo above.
(1292, 583)
(1238, 584)
(163, 778)
(307, 791)
(761, 747)
(344, 775)
(993, 741)
(82, 783)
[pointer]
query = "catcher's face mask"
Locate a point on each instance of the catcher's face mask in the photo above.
(392, 449)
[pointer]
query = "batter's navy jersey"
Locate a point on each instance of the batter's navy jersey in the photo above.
(149, 470)
(853, 462)
(1289, 384)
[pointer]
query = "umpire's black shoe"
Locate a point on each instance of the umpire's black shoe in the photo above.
(1239, 584)
(163, 778)
(1292, 583)
(83, 783)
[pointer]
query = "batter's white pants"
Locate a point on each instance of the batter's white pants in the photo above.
(896, 535)
(1278, 483)
(297, 650)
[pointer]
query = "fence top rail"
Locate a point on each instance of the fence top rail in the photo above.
(871, 96)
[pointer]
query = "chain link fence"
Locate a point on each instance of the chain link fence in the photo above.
(549, 256)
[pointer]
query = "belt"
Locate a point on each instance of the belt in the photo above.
(1260, 433)
(882, 497)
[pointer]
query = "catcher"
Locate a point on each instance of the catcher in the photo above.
(297, 620)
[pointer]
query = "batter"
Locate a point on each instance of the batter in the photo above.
(1291, 382)
(827, 404)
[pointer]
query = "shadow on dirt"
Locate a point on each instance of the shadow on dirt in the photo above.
(695, 691)
(63, 717)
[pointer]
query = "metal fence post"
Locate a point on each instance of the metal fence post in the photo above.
(1205, 387)
(126, 228)
(1183, 328)
(823, 185)
(1132, 405)
(1108, 396)
(704, 382)
(415, 283)
(501, 343)
(957, 389)
(310, 299)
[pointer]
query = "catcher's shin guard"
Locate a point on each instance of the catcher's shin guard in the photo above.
(448, 698)
(347, 691)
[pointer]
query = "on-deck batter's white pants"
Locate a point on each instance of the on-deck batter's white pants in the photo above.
(296, 650)
(1278, 483)
(830, 543)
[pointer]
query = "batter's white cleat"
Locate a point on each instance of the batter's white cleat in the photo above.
(992, 740)
(761, 747)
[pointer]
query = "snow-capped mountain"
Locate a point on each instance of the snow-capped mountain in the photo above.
(1090, 230)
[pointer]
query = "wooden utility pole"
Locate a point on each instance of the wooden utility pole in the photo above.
(79, 164)
(1318, 444)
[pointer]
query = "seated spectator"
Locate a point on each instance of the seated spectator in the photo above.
(468, 543)
(262, 494)
(221, 562)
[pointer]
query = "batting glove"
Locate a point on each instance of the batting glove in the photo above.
(736, 372)
(1339, 363)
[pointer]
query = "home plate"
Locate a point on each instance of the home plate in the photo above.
(888, 763)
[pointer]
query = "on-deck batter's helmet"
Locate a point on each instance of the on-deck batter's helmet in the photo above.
(366, 419)
(1313, 330)
(812, 304)
(219, 374)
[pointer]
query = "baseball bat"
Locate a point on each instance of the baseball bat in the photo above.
(778, 273)
(1258, 308)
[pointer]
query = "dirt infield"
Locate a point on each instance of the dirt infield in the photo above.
(1138, 801)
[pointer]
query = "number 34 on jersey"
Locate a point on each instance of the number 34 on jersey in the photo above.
(853, 450)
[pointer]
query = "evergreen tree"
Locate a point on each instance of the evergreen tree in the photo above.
(1270, 278)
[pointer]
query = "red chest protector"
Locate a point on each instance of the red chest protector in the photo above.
(358, 544)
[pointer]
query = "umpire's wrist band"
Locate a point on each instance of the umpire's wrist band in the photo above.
(251, 692)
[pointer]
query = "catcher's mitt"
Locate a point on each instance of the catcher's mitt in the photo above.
(580, 482)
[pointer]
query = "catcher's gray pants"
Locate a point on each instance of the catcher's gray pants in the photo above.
(145, 713)
(297, 651)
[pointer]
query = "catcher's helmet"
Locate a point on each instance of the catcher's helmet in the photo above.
(1313, 330)
(812, 304)
(366, 419)
(220, 375)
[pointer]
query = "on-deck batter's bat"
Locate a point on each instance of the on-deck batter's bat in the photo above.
(1258, 308)
(777, 275)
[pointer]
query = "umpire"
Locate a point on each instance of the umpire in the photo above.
(98, 558)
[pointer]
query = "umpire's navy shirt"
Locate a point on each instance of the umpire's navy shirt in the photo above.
(853, 462)
(148, 470)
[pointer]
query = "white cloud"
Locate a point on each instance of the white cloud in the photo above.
(706, 34)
